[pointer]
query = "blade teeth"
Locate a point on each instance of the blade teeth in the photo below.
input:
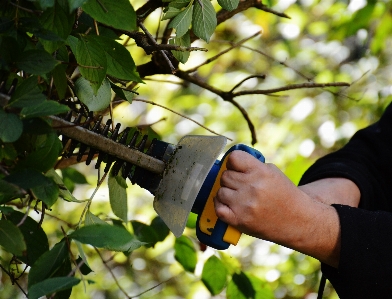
(127, 168)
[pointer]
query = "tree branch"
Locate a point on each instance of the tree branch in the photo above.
(290, 87)
(226, 96)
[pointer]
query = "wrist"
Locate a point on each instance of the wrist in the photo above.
(313, 229)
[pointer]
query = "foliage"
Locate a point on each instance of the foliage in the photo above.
(91, 56)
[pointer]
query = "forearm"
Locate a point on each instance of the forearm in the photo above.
(312, 229)
(333, 191)
(319, 235)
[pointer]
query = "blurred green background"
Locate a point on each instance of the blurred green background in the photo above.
(323, 41)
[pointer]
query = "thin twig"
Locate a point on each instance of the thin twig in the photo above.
(42, 214)
(209, 60)
(165, 81)
(153, 41)
(96, 27)
(87, 206)
(182, 115)
(278, 61)
(25, 215)
(151, 124)
(70, 225)
(290, 87)
(36, 12)
(155, 286)
(246, 79)
(112, 274)
(3, 170)
(13, 281)
(226, 96)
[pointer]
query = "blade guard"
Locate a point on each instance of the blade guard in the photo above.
(209, 229)
(183, 178)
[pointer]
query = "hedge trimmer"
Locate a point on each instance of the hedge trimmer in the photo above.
(183, 178)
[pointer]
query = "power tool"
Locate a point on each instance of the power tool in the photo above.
(183, 178)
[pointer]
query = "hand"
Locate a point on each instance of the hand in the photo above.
(259, 200)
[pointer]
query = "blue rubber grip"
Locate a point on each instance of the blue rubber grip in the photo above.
(215, 240)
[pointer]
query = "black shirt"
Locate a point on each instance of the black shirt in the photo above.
(365, 266)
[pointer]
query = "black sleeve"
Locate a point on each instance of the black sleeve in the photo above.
(365, 266)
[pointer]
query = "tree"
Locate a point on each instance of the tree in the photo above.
(90, 57)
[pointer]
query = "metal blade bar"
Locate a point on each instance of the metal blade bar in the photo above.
(107, 145)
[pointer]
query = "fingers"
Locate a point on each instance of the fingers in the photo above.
(222, 203)
(241, 161)
(232, 179)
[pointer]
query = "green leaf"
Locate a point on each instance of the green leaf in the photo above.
(36, 126)
(60, 80)
(185, 253)
(118, 196)
(185, 41)
(26, 178)
(27, 94)
(92, 61)
(71, 177)
(6, 210)
(72, 42)
(59, 73)
(44, 108)
(119, 61)
(44, 4)
(122, 93)
(214, 275)
(191, 222)
(179, 3)
(44, 157)
(34, 236)
(64, 270)
(11, 238)
(57, 20)
(182, 21)
(36, 62)
(95, 101)
(106, 236)
(84, 268)
(9, 49)
(52, 285)
(262, 289)
(118, 14)
(82, 256)
(74, 4)
(8, 192)
(145, 233)
(11, 126)
(48, 263)
(160, 228)
(204, 19)
(240, 287)
(229, 5)
(91, 219)
(48, 192)
(383, 31)
(170, 12)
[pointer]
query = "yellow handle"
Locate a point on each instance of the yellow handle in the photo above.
(208, 217)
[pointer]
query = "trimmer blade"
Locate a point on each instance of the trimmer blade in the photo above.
(183, 178)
